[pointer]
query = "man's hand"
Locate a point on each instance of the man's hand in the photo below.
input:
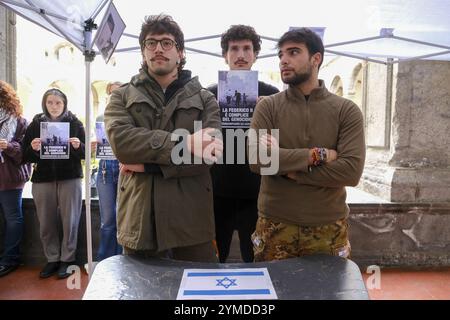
(268, 141)
(75, 142)
(331, 155)
(36, 144)
(3, 144)
(93, 146)
(201, 144)
(291, 175)
(129, 169)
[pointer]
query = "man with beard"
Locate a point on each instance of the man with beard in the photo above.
(235, 186)
(302, 208)
(165, 207)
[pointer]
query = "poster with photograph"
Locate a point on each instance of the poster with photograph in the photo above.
(104, 150)
(109, 32)
(237, 93)
(55, 140)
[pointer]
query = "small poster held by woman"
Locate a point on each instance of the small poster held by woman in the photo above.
(55, 140)
(104, 150)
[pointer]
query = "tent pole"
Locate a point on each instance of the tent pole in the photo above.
(89, 56)
(87, 175)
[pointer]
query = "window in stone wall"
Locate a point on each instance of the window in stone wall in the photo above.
(99, 96)
(355, 89)
(65, 53)
(336, 86)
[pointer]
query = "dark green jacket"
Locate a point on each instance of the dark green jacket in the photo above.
(173, 207)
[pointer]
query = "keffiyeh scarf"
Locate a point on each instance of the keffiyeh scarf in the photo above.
(8, 126)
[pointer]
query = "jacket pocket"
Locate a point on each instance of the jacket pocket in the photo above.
(133, 209)
(144, 114)
(186, 113)
(127, 219)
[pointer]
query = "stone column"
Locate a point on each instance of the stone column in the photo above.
(408, 132)
(8, 46)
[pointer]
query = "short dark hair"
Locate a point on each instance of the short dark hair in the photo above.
(160, 24)
(306, 36)
(241, 32)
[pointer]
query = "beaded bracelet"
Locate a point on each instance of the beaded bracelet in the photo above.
(319, 156)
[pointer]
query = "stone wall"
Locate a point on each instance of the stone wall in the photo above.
(421, 115)
(7, 46)
(404, 235)
(376, 122)
(413, 165)
(384, 234)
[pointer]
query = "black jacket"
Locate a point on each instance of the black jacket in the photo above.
(47, 170)
(236, 180)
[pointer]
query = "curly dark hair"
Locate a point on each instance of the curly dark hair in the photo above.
(160, 24)
(241, 32)
(9, 99)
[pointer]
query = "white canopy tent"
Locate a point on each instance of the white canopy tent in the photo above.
(381, 31)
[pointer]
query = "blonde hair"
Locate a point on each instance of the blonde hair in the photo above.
(110, 85)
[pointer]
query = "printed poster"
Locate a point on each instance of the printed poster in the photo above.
(104, 150)
(55, 140)
(109, 32)
(237, 93)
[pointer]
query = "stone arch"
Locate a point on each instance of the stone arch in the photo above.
(99, 96)
(64, 52)
(356, 77)
(337, 86)
(355, 88)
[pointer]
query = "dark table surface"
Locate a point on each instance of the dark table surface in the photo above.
(311, 277)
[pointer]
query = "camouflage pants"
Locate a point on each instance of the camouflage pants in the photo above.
(276, 241)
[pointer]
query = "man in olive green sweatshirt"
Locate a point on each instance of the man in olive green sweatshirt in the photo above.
(318, 138)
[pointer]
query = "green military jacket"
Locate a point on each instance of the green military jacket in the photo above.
(173, 209)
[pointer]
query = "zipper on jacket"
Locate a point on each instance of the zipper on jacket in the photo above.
(307, 118)
(173, 96)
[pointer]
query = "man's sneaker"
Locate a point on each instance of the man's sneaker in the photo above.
(50, 269)
(62, 271)
(5, 269)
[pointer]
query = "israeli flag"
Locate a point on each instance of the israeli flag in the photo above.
(226, 284)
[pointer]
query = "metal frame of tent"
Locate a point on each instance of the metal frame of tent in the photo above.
(89, 54)
(86, 46)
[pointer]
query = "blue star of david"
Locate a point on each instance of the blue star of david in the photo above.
(226, 282)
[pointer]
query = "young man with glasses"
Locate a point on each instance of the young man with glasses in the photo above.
(164, 209)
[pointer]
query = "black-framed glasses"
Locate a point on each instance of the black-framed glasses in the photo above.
(166, 44)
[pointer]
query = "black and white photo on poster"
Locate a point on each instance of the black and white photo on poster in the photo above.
(237, 94)
(55, 142)
(104, 150)
(109, 32)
